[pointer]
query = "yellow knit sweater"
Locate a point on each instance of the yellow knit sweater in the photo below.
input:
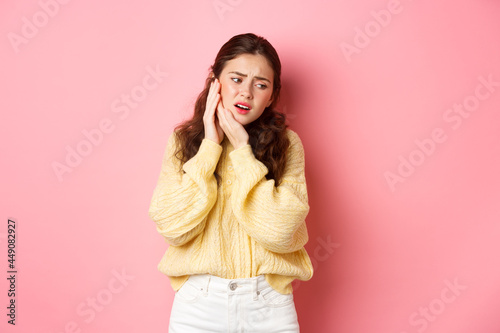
(240, 228)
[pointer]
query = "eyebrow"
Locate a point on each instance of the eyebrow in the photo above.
(244, 75)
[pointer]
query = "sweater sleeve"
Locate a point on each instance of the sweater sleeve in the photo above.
(273, 216)
(182, 200)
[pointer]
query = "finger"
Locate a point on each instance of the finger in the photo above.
(212, 100)
(215, 101)
(228, 116)
(220, 107)
(212, 88)
(217, 110)
(216, 88)
(211, 93)
(221, 116)
(217, 85)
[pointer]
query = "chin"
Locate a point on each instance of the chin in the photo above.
(243, 123)
(238, 117)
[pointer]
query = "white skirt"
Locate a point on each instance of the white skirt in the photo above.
(207, 303)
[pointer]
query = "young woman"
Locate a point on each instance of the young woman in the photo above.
(231, 201)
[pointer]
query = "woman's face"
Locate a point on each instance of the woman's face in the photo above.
(246, 86)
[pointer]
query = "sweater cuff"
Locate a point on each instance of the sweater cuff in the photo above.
(246, 165)
(206, 159)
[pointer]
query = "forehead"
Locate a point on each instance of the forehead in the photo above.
(251, 65)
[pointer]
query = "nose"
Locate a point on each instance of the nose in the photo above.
(246, 90)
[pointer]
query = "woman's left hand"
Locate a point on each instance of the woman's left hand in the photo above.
(235, 132)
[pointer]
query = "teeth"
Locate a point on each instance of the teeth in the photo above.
(243, 107)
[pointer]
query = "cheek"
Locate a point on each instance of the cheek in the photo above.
(265, 98)
(225, 91)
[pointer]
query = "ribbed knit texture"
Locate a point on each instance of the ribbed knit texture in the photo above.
(240, 228)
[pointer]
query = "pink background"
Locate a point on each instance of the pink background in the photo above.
(361, 89)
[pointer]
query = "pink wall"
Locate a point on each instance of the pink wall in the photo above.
(391, 99)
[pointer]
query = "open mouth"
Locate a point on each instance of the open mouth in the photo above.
(242, 107)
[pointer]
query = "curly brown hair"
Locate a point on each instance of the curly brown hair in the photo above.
(267, 134)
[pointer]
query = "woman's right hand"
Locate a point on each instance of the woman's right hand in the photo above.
(213, 131)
